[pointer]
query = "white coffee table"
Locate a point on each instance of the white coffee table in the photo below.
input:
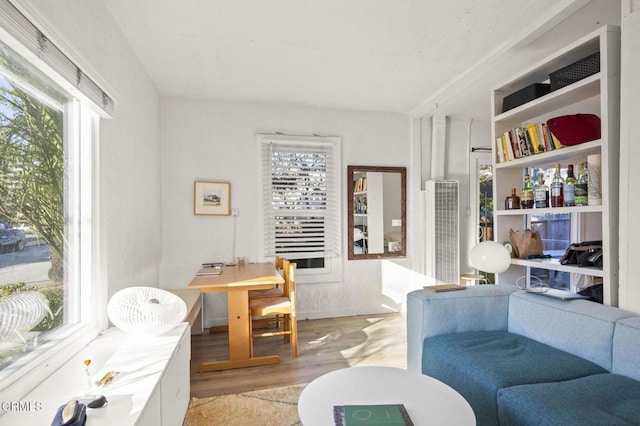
(427, 400)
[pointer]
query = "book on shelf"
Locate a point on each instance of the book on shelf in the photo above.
(504, 150)
(536, 138)
(521, 136)
(552, 137)
(499, 151)
(515, 145)
(360, 185)
(372, 415)
(510, 150)
(520, 142)
(548, 143)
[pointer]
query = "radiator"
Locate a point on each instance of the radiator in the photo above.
(443, 230)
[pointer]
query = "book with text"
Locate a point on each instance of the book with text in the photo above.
(372, 415)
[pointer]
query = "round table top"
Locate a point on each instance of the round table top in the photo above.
(427, 400)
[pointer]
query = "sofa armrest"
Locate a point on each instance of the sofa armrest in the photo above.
(482, 307)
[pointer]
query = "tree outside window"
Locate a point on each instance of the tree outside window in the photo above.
(32, 199)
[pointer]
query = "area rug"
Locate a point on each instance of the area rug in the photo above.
(268, 407)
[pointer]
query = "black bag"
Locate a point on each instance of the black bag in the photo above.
(594, 293)
(73, 413)
(586, 253)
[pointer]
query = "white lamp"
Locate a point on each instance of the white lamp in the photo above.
(489, 256)
(146, 310)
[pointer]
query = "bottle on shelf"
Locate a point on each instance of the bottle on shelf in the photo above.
(582, 187)
(541, 193)
(512, 201)
(595, 192)
(526, 196)
(569, 189)
(556, 189)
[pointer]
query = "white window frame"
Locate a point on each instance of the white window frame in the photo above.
(89, 307)
(83, 270)
(332, 271)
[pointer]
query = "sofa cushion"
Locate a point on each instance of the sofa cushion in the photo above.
(626, 348)
(603, 399)
(429, 313)
(577, 326)
(478, 363)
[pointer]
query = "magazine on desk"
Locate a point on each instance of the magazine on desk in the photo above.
(213, 268)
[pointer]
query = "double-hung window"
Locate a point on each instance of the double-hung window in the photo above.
(301, 184)
(51, 302)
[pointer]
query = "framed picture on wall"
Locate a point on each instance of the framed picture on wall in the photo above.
(211, 198)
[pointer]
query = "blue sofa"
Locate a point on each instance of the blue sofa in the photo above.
(527, 359)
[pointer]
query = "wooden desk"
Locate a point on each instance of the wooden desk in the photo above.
(193, 299)
(236, 281)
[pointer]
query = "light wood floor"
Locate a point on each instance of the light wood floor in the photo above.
(323, 346)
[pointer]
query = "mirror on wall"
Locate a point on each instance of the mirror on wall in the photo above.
(376, 212)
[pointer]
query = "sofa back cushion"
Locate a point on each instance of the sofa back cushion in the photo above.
(579, 327)
(626, 348)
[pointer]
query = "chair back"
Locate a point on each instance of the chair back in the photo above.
(289, 289)
(279, 262)
(286, 272)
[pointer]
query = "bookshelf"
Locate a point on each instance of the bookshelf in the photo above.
(369, 209)
(596, 94)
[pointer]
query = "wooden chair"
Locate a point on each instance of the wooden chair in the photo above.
(283, 308)
(271, 292)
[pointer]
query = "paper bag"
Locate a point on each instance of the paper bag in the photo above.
(525, 242)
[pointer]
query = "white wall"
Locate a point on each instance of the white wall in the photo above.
(629, 157)
(203, 140)
(461, 135)
(129, 193)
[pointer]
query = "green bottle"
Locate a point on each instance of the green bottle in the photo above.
(526, 196)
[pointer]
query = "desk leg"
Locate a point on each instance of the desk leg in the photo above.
(240, 347)
(239, 332)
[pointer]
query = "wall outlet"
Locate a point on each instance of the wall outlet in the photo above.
(235, 212)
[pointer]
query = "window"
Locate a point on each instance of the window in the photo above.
(50, 305)
(301, 203)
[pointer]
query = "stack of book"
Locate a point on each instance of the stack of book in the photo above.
(360, 185)
(521, 142)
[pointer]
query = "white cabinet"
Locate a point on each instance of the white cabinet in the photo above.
(175, 385)
(597, 94)
(153, 385)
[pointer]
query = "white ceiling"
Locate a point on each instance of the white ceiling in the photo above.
(380, 55)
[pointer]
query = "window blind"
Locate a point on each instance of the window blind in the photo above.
(300, 195)
(18, 26)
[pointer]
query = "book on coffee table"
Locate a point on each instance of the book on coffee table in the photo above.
(371, 415)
